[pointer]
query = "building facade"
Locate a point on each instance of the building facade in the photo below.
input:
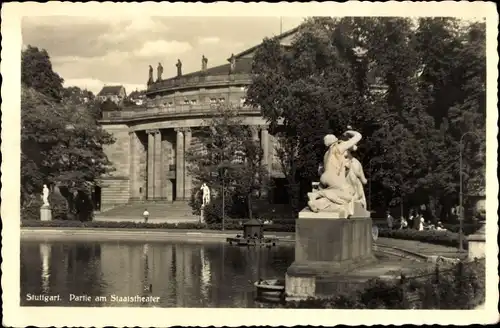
(114, 93)
(152, 140)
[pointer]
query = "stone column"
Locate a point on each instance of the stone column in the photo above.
(134, 166)
(255, 132)
(179, 164)
(187, 176)
(151, 152)
(157, 165)
(264, 142)
(166, 183)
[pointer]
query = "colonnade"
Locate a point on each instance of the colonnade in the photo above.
(150, 162)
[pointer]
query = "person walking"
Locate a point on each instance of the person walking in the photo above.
(145, 214)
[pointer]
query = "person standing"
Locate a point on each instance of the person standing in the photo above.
(410, 219)
(421, 222)
(145, 214)
(403, 223)
(390, 220)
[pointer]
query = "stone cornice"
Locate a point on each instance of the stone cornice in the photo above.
(182, 129)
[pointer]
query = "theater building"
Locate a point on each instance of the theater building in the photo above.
(152, 140)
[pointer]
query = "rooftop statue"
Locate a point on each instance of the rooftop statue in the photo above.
(204, 62)
(232, 61)
(340, 179)
(160, 72)
(150, 79)
(179, 67)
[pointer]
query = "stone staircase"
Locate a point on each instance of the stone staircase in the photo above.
(159, 212)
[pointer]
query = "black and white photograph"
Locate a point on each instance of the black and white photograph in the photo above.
(203, 164)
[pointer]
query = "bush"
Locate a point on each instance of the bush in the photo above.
(468, 228)
(438, 237)
(59, 206)
(31, 210)
(213, 211)
(460, 287)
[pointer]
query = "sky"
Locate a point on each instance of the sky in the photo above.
(90, 52)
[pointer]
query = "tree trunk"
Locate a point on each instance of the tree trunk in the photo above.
(249, 205)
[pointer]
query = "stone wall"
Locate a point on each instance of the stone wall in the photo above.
(114, 192)
(115, 188)
(119, 152)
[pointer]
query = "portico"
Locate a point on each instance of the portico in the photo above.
(158, 164)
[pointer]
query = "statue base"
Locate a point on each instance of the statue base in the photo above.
(202, 215)
(477, 243)
(329, 253)
(45, 213)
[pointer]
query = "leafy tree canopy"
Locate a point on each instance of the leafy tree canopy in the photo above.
(411, 88)
(37, 73)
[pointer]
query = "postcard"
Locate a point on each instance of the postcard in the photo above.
(232, 164)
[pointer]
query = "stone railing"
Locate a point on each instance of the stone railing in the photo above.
(198, 81)
(185, 109)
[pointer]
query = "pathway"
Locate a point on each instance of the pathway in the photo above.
(423, 248)
(167, 212)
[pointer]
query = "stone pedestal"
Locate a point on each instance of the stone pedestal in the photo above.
(202, 215)
(45, 213)
(327, 249)
(477, 243)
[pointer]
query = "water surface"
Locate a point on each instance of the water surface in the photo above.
(170, 274)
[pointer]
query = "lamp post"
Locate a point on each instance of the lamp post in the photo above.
(223, 201)
(222, 172)
(461, 214)
(370, 186)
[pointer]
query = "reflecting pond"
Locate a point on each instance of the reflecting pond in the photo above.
(169, 274)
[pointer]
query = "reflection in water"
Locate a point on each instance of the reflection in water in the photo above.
(205, 275)
(180, 275)
(45, 253)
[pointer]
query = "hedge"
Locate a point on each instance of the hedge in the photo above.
(469, 228)
(438, 237)
(142, 225)
(460, 287)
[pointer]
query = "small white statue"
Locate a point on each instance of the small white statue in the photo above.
(206, 194)
(45, 195)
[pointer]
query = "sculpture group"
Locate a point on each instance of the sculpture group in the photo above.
(342, 177)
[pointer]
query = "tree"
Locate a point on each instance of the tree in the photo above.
(430, 89)
(306, 91)
(59, 145)
(228, 159)
(37, 73)
(76, 96)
